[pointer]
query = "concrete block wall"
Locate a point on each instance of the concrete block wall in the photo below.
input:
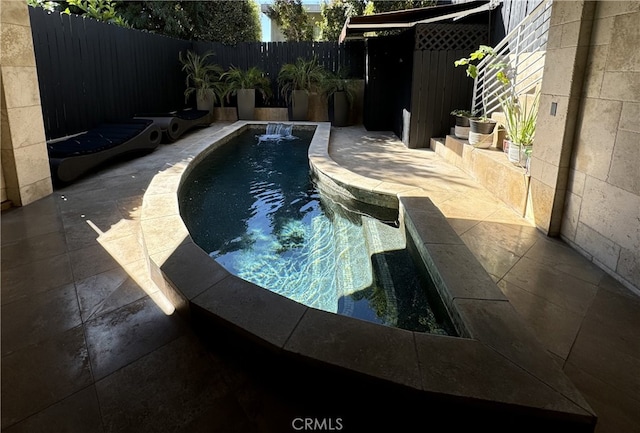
(25, 164)
(602, 206)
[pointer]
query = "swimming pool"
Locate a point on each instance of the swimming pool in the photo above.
(495, 360)
(255, 209)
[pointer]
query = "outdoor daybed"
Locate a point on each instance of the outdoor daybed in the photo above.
(176, 123)
(74, 156)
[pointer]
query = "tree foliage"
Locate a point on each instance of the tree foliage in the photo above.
(336, 12)
(293, 20)
(334, 15)
(213, 20)
(219, 21)
(398, 5)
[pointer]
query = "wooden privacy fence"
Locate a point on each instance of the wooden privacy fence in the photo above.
(92, 72)
(270, 56)
(438, 86)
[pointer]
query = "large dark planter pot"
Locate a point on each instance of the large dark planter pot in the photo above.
(339, 109)
(482, 127)
(299, 106)
(246, 104)
(462, 121)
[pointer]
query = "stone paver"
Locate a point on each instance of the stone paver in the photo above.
(145, 384)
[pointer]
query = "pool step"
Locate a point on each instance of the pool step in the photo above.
(321, 266)
(380, 239)
(353, 270)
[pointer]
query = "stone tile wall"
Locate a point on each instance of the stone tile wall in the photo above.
(25, 164)
(3, 188)
(567, 48)
(602, 208)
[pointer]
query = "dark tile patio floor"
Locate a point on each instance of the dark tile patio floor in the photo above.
(90, 345)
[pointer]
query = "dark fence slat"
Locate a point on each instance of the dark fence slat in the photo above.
(92, 72)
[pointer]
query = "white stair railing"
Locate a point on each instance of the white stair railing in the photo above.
(520, 55)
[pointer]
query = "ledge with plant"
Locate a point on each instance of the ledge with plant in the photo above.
(521, 115)
(461, 128)
(203, 79)
(340, 93)
(244, 84)
(481, 126)
(296, 80)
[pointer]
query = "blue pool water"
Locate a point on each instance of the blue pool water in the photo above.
(254, 208)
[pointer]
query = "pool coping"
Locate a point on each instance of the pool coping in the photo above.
(499, 361)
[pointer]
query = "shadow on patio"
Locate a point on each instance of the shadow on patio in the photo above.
(85, 346)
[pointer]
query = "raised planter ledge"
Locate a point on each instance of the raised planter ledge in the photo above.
(490, 168)
(500, 366)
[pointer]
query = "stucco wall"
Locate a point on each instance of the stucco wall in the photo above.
(602, 205)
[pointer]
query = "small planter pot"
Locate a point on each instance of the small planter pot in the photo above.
(480, 141)
(461, 132)
(482, 126)
(462, 121)
(505, 146)
(519, 154)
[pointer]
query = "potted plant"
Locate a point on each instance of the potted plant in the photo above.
(340, 93)
(296, 80)
(244, 84)
(481, 125)
(477, 56)
(462, 117)
(520, 126)
(461, 129)
(203, 79)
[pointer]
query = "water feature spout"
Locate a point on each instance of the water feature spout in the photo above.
(277, 132)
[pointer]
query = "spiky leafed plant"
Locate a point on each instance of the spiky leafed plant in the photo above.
(201, 76)
(520, 120)
(301, 75)
(253, 78)
(333, 82)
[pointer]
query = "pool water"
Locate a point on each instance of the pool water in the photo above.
(254, 208)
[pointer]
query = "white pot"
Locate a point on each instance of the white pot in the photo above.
(461, 132)
(481, 141)
(518, 154)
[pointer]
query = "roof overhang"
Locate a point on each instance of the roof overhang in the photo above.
(356, 27)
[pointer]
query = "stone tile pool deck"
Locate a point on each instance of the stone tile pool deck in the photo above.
(83, 327)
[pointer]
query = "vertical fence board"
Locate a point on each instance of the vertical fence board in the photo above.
(417, 95)
(91, 72)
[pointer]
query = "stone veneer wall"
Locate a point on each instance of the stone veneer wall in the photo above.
(25, 164)
(3, 188)
(602, 204)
